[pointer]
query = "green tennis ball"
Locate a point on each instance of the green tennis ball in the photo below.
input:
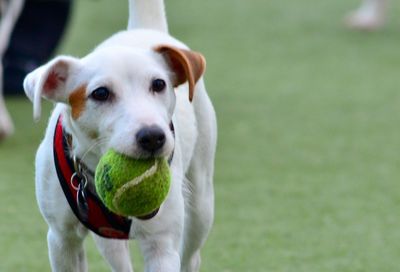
(132, 187)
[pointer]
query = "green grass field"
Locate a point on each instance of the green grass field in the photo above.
(308, 162)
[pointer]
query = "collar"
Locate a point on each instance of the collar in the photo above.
(83, 200)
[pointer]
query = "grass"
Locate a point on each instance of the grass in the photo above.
(307, 167)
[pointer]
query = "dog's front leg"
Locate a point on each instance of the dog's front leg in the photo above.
(160, 254)
(115, 252)
(160, 238)
(66, 251)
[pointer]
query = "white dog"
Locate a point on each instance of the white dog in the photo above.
(9, 13)
(141, 93)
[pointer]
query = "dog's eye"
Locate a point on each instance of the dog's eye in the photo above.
(100, 94)
(158, 85)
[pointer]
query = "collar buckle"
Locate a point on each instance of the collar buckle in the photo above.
(79, 182)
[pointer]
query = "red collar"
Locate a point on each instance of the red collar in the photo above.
(83, 201)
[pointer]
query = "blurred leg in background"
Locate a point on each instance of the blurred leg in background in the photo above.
(9, 14)
(27, 39)
(371, 15)
(34, 39)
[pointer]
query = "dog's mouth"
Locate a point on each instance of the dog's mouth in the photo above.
(145, 155)
(149, 216)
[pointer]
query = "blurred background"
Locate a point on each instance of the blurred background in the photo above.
(308, 162)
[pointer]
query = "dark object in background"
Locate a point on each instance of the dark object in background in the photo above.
(34, 39)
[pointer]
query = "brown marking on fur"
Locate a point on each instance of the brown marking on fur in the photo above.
(187, 65)
(77, 101)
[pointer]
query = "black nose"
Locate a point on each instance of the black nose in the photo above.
(151, 138)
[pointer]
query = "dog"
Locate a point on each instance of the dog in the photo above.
(9, 11)
(140, 92)
(371, 15)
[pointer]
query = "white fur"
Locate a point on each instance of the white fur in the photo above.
(126, 63)
(371, 15)
(9, 13)
(143, 14)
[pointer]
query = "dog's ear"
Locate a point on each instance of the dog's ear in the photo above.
(187, 65)
(49, 81)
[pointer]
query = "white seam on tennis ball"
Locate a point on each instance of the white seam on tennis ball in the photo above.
(149, 172)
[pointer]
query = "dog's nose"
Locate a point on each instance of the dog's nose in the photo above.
(151, 138)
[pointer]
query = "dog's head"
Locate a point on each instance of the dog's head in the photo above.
(120, 97)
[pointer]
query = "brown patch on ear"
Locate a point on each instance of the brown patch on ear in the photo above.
(77, 101)
(187, 65)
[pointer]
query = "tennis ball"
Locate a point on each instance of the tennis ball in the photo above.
(132, 187)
